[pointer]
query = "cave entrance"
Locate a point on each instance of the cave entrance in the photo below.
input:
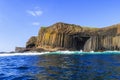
(80, 42)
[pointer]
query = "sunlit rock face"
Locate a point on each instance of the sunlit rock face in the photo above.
(107, 39)
(74, 37)
(62, 35)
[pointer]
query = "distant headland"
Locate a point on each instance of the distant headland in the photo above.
(64, 36)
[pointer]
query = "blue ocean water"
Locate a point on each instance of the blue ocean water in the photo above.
(61, 65)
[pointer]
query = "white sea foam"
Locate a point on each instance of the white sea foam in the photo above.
(92, 51)
(58, 52)
(22, 54)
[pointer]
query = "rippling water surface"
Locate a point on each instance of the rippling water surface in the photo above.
(60, 67)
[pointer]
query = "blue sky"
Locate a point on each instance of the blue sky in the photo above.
(21, 19)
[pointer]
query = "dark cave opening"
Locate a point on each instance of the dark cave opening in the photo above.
(79, 42)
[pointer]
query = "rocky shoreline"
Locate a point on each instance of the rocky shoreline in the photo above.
(63, 36)
(23, 49)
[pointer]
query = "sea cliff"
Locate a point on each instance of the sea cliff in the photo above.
(64, 36)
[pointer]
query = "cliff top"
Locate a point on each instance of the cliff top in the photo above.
(66, 28)
(71, 29)
(110, 30)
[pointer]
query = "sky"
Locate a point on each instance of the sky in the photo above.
(21, 19)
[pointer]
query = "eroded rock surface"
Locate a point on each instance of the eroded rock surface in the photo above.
(63, 36)
(31, 43)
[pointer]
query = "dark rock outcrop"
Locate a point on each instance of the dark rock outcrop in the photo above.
(21, 49)
(63, 36)
(31, 42)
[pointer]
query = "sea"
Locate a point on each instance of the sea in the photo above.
(60, 65)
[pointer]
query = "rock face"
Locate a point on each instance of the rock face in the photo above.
(62, 35)
(107, 39)
(31, 42)
(74, 37)
(20, 49)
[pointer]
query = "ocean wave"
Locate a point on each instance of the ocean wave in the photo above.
(58, 52)
(23, 54)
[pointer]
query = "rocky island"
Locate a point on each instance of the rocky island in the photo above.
(64, 36)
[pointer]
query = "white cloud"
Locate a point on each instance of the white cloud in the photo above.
(38, 13)
(36, 23)
(31, 13)
(35, 12)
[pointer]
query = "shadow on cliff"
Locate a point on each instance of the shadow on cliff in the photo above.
(79, 42)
